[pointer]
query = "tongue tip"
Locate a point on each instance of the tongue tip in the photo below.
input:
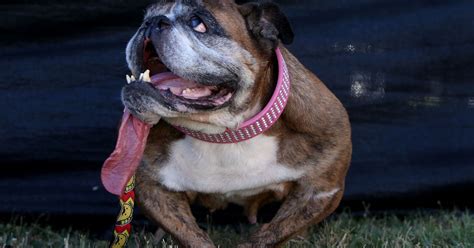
(113, 190)
(122, 163)
(113, 184)
(115, 181)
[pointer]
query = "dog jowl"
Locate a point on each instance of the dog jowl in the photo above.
(214, 66)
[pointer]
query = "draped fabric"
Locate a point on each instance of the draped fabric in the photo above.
(403, 69)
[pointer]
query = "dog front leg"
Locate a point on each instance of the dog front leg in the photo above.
(309, 203)
(172, 212)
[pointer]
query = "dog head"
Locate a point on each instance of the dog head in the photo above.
(210, 60)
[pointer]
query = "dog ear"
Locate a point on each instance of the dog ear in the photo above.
(267, 23)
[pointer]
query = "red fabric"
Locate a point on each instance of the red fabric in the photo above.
(121, 229)
(126, 196)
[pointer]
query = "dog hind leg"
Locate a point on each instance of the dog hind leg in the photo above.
(306, 205)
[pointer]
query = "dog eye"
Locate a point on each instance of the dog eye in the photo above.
(198, 25)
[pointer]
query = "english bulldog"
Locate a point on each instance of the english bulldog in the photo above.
(244, 121)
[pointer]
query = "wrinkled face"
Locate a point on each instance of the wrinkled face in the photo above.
(196, 65)
(202, 57)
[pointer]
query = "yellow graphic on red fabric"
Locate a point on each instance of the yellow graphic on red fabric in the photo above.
(126, 214)
(121, 239)
(123, 227)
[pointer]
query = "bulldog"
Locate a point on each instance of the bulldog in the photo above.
(244, 121)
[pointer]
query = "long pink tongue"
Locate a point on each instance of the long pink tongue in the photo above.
(169, 80)
(122, 163)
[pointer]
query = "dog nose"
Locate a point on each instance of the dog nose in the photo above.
(157, 23)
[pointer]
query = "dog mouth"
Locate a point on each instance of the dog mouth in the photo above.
(177, 90)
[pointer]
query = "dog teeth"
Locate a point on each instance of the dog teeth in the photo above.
(129, 79)
(132, 78)
(146, 76)
(188, 91)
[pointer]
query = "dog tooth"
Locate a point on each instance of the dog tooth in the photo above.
(133, 78)
(129, 79)
(146, 76)
(141, 77)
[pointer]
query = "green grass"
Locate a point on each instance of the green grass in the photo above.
(422, 229)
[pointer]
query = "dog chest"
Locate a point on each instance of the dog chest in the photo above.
(203, 167)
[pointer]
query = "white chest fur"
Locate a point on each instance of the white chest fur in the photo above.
(203, 167)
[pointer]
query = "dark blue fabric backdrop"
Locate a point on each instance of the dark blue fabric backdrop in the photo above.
(404, 69)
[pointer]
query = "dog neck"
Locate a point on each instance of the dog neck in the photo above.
(262, 121)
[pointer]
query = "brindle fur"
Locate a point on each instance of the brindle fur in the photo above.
(313, 133)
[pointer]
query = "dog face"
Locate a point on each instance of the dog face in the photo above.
(206, 59)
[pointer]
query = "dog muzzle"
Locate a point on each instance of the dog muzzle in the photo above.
(262, 121)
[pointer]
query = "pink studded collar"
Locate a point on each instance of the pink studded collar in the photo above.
(262, 121)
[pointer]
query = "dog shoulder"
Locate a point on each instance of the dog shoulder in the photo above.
(312, 108)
